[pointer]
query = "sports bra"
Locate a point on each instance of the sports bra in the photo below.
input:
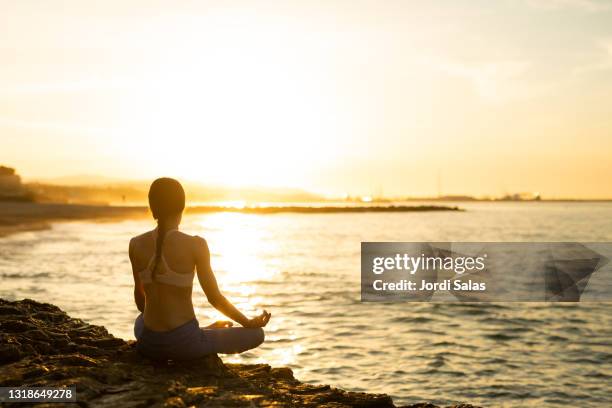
(164, 274)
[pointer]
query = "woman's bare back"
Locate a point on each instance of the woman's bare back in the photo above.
(167, 306)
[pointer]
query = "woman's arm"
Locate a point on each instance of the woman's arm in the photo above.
(139, 294)
(213, 294)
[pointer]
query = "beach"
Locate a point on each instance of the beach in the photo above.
(24, 216)
(410, 198)
(20, 216)
(304, 268)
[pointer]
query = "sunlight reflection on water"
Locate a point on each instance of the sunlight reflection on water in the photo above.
(304, 268)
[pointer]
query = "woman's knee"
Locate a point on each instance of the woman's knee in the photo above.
(233, 340)
(138, 326)
(258, 336)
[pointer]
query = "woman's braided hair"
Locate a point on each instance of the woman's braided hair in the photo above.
(166, 199)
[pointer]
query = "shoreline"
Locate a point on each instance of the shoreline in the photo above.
(41, 346)
(20, 217)
(23, 216)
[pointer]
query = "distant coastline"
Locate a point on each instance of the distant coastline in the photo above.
(102, 190)
(17, 216)
(464, 199)
(28, 216)
(321, 209)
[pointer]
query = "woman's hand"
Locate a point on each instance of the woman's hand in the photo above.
(259, 321)
(220, 324)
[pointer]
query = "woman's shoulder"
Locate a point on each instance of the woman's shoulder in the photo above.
(194, 239)
(141, 238)
(177, 236)
(141, 243)
(196, 244)
(198, 240)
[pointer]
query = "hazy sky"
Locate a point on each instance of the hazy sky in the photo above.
(358, 96)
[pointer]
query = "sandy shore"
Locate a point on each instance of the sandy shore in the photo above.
(18, 216)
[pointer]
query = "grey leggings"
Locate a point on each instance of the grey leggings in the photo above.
(190, 341)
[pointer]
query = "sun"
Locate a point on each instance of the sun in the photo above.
(229, 118)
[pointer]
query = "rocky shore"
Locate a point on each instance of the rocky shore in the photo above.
(40, 345)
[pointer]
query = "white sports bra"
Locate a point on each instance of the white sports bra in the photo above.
(164, 274)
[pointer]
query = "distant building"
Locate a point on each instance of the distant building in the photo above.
(6, 171)
(10, 184)
(456, 198)
(521, 197)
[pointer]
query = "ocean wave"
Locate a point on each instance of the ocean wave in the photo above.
(21, 275)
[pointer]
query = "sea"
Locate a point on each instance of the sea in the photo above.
(305, 270)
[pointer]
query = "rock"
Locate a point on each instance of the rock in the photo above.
(174, 402)
(9, 353)
(10, 310)
(15, 326)
(282, 372)
(42, 346)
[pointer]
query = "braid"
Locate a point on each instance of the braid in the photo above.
(167, 200)
(159, 243)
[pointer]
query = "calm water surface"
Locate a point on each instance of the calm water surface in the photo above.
(305, 269)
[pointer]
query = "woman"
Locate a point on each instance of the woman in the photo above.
(163, 264)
